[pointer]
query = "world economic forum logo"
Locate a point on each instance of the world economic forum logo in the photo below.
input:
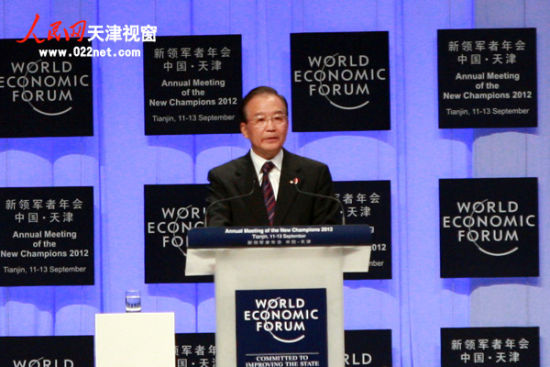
(174, 225)
(285, 319)
(46, 86)
(43, 362)
(343, 80)
(489, 227)
(488, 223)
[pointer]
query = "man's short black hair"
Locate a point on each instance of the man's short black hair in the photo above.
(257, 91)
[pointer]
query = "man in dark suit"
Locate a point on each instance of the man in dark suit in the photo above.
(269, 185)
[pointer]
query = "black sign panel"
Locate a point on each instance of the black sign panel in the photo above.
(193, 84)
(487, 77)
(340, 81)
(43, 94)
(283, 327)
(280, 236)
(47, 236)
(368, 348)
(196, 350)
(47, 351)
(171, 211)
(369, 202)
(489, 227)
(491, 346)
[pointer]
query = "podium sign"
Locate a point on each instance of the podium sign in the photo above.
(279, 303)
(286, 326)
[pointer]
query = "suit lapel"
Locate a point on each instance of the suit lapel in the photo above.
(245, 176)
(287, 193)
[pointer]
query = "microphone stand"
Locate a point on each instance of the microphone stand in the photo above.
(294, 182)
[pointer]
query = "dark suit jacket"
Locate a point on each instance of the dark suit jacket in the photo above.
(237, 178)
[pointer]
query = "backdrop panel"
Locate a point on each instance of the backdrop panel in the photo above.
(414, 155)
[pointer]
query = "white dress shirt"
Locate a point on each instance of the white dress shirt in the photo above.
(274, 174)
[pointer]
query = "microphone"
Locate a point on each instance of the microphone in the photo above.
(219, 201)
(294, 182)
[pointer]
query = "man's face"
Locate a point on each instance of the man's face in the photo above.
(267, 124)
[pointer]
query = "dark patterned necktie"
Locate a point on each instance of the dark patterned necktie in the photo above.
(267, 189)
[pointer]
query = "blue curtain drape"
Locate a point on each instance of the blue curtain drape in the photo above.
(119, 160)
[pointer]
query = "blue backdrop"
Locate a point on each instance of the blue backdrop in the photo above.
(119, 159)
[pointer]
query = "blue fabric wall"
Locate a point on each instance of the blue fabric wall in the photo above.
(118, 160)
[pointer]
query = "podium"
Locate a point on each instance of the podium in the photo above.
(279, 290)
